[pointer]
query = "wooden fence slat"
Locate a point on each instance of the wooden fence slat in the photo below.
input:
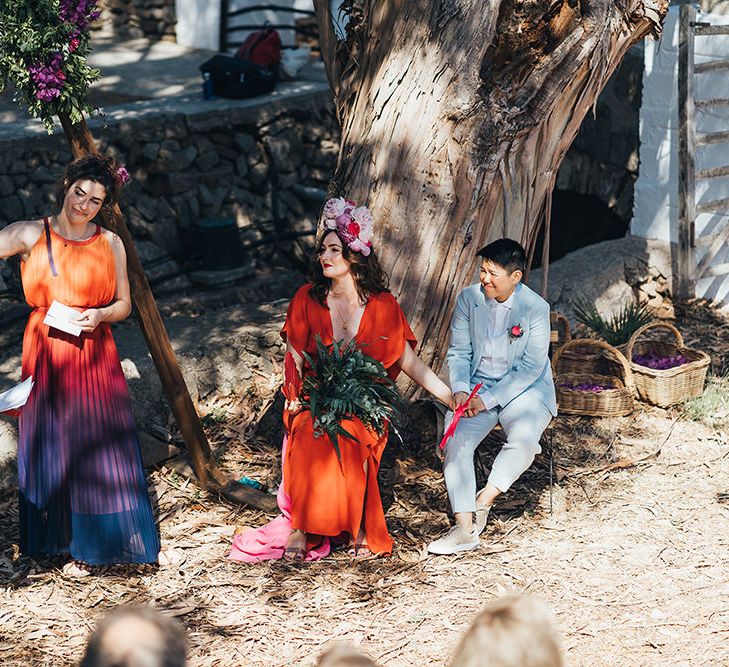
(712, 138)
(686, 152)
(711, 66)
(711, 252)
(711, 103)
(716, 270)
(714, 206)
(721, 237)
(712, 172)
(703, 29)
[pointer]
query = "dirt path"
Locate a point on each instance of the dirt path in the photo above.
(634, 559)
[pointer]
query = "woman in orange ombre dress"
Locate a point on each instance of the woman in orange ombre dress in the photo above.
(82, 489)
(347, 299)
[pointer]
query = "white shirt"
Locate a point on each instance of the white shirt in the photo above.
(494, 361)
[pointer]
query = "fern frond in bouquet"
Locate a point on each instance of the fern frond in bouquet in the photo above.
(347, 383)
(619, 327)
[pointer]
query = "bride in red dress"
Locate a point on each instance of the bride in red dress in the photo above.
(346, 299)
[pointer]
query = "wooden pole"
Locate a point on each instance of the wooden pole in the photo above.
(210, 477)
(547, 237)
(686, 287)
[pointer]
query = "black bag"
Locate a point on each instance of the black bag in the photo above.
(237, 79)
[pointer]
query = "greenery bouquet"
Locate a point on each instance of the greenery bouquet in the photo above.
(347, 383)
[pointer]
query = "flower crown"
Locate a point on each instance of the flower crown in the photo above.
(352, 223)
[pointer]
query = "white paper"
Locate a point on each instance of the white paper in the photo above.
(16, 397)
(62, 317)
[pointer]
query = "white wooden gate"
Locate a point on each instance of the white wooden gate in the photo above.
(704, 255)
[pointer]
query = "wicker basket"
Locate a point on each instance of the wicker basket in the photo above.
(614, 402)
(561, 331)
(673, 385)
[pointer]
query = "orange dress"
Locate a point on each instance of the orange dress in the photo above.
(327, 499)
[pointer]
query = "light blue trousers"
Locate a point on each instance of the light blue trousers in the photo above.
(523, 421)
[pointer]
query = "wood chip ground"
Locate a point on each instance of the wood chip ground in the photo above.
(633, 558)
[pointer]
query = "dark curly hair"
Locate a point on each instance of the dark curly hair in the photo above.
(101, 169)
(369, 277)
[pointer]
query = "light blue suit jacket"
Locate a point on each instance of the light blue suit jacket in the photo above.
(528, 356)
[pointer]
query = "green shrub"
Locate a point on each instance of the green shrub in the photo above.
(712, 407)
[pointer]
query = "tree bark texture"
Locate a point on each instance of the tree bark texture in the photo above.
(455, 116)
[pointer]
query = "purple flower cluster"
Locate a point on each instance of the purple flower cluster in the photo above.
(659, 363)
(78, 12)
(123, 175)
(586, 386)
(48, 78)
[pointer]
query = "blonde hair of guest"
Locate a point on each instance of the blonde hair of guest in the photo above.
(514, 631)
(344, 655)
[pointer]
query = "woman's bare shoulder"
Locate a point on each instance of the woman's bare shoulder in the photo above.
(27, 230)
(113, 238)
(29, 225)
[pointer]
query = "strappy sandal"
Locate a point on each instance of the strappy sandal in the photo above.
(359, 550)
(76, 569)
(297, 553)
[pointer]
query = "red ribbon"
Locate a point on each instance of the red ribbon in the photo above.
(457, 414)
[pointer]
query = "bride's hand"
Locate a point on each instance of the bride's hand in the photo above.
(293, 406)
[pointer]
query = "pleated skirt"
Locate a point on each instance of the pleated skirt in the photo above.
(82, 489)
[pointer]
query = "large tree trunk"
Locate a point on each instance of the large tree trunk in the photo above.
(456, 115)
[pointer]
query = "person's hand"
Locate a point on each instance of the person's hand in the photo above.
(459, 398)
(89, 319)
(474, 407)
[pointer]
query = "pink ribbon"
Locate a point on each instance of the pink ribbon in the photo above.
(457, 414)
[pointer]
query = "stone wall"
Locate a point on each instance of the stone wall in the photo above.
(153, 19)
(195, 159)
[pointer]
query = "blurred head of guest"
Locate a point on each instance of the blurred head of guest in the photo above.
(136, 637)
(344, 655)
(515, 631)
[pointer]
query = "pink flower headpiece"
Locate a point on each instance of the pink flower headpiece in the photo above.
(122, 175)
(352, 223)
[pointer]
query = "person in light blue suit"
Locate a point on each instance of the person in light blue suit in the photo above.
(500, 336)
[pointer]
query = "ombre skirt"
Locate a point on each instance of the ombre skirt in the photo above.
(82, 489)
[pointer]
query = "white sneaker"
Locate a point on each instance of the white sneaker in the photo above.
(454, 541)
(481, 516)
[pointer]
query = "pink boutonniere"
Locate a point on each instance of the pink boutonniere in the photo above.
(515, 332)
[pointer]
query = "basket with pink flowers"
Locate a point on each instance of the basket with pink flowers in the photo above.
(666, 372)
(584, 392)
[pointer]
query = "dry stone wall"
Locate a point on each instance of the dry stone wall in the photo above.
(153, 19)
(192, 160)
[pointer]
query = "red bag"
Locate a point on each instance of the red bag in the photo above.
(262, 47)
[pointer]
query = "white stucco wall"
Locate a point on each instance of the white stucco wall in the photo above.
(198, 24)
(656, 192)
(198, 21)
